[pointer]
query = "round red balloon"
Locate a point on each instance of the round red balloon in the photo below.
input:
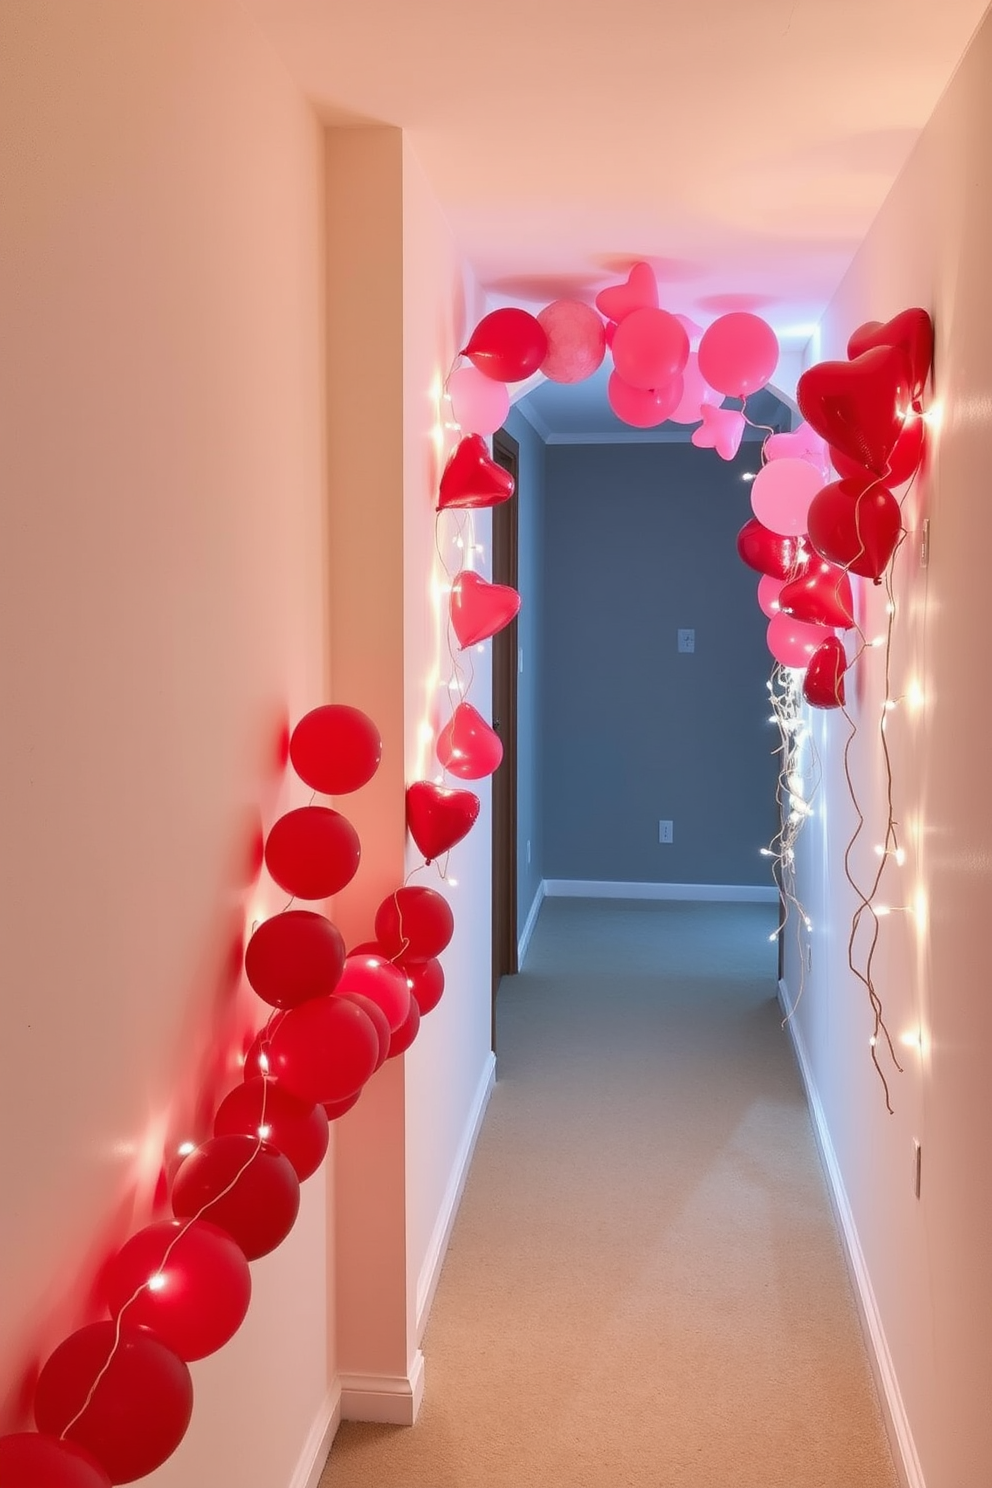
(187, 1280)
(404, 1036)
(371, 974)
(29, 1459)
(738, 353)
(507, 345)
(335, 749)
(324, 1050)
(768, 552)
(377, 1018)
(643, 408)
(137, 1414)
(262, 1108)
(312, 852)
(294, 956)
(650, 349)
(426, 982)
(854, 527)
(414, 922)
(334, 1110)
(242, 1185)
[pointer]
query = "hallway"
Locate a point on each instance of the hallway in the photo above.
(645, 1285)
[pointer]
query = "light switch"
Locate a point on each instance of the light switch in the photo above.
(687, 640)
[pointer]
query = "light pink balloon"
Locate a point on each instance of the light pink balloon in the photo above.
(792, 642)
(479, 404)
(738, 353)
(722, 429)
(643, 408)
(649, 348)
(576, 341)
(695, 392)
(781, 493)
(769, 589)
(802, 444)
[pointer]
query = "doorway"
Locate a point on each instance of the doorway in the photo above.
(506, 452)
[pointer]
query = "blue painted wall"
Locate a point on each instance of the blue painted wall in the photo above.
(638, 541)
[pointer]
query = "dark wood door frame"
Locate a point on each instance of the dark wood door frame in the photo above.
(505, 568)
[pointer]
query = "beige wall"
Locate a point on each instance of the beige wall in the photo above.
(162, 609)
(926, 1261)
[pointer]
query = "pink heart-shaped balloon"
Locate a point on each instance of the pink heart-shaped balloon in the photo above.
(467, 746)
(854, 527)
(860, 407)
(472, 479)
(640, 292)
(479, 609)
(823, 684)
(912, 330)
(802, 444)
(820, 594)
(438, 817)
(722, 429)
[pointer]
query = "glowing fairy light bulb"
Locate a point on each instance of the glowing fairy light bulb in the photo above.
(185, 1148)
(265, 1131)
(157, 1282)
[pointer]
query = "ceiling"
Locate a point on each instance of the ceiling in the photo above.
(742, 147)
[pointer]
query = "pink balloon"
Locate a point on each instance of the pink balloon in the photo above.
(793, 642)
(738, 353)
(649, 348)
(695, 392)
(479, 404)
(644, 409)
(722, 429)
(576, 341)
(802, 444)
(781, 493)
(769, 589)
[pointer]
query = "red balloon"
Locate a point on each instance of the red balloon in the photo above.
(243, 1186)
(642, 408)
(904, 460)
(467, 746)
(404, 1036)
(821, 594)
(139, 1411)
(823, 684)
(324, 1050)
(768, 552)
(31, 1460)
(856, 528)
(859, 407)
(912, 330)
(371, 974)
(472, 479)
(438, 817)
(186, 1280)
(336, 1109)
(426, 982)
(738, 353)
(507, 345)
(294, 956)
(479, 609)
(414, 922)
(262, 1108)
(378, 1019)
(650, 349)
(335, 749)
(312, 852)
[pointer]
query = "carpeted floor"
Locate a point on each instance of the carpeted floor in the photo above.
(645, 1288)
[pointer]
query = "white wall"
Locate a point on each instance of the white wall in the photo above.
(926, 1260)
(162, 604)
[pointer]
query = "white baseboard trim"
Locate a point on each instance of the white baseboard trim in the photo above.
(313, 1458)
(390, 1399)
(528, 929)
(591, 888)
(430, 1271)
(900, 1435)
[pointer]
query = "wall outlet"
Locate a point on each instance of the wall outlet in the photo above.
(687, 640)
(666, 831)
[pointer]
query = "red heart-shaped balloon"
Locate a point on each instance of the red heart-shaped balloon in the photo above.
(467, 746)
(479, 609)
(438, 817)
(859, 407)
(823, 684)
(912, 330)
(820, 594)
(854, 527)
(640, 292)
(768, 552)
(472, 479)
(904, 460)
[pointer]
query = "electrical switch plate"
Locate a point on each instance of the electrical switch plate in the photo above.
(665, 832)
(687, 640)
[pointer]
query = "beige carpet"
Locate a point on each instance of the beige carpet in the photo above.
(645, 1286)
